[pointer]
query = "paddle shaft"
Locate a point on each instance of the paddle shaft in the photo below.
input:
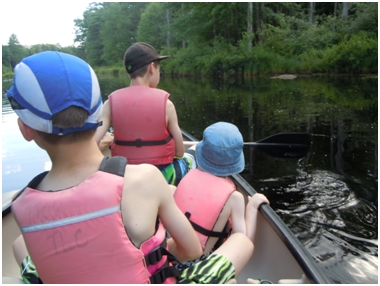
(283, 145)
(256, 144)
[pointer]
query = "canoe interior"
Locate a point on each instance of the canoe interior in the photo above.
(278, 255)
(10, 231)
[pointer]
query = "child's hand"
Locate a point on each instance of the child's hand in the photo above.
(257, 200)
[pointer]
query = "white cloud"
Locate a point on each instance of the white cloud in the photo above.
(41, 22)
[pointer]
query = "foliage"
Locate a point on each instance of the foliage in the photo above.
(14, 52)
(366, 19)
(226, 38)
(119, 29)
(112, 70)
(93, 44)
(6, 72)
(153, 28)
(355, 54)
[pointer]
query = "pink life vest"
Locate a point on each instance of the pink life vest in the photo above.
(77, 235)
(139, 123)
(201, 197)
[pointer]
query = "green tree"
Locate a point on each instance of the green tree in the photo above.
(88, 34)
(153, 26)
(119, 31)
(202, 22)
(43, 47)
(16, 52)
(366, 18)
(94, 43)
(6, 62)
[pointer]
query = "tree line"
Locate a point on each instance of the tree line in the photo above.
(225, 38)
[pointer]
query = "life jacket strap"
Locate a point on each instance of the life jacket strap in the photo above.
(114, 165)
(205, 231)
(140, 143)
(156, 255)
(164, 273)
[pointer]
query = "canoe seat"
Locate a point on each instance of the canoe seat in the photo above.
(12, 280)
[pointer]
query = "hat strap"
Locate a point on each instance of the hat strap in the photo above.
(86, 126)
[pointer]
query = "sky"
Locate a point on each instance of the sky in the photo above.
(40, 22)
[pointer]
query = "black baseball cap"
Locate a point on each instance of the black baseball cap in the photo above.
(139, 55)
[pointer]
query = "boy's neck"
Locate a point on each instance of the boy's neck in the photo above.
(71, 164)
(140, 81)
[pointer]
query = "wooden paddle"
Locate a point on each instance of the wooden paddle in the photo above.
(283, 145)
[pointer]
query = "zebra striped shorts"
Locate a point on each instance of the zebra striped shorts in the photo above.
(215, 269)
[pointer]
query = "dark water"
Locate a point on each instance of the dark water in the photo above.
(328, 199)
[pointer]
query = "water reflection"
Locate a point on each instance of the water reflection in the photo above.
(21, 160)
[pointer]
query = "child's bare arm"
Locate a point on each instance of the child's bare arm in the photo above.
(106, 122)
(19, 249)
(173, 127)
(251, 213)
(237, 212)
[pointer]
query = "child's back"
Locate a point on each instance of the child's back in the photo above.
(206, 195)
(144, 120)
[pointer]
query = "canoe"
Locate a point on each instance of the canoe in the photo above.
(278, 256)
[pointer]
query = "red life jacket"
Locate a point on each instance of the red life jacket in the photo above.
(77, 235)
(201, 197)
(139, 123)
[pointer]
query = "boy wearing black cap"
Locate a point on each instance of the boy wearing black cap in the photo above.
(144, 120)
(93, 219)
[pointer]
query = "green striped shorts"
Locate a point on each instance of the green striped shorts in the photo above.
(174, 172)
(215, 269)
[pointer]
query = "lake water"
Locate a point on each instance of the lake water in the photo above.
(328, 199)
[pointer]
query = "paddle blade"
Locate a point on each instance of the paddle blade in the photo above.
(284, 145)
(288, 138)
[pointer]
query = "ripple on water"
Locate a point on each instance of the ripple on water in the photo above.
(338, 228)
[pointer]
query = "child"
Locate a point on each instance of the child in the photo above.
(207, 196)
(93, 219)
(144, 120)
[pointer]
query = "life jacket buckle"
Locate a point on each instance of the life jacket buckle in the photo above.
(138, 143)
(164, 273)
(154, 256)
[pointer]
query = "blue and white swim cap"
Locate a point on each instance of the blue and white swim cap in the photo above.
(49, 82)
